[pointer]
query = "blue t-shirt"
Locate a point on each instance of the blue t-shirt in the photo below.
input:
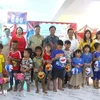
(97, 54)
(57, 63)
(87, 58)
(77, 61)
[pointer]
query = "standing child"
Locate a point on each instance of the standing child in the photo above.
(58, 69)
(47, 60)
(87, 58)
(68, 54)
(77, 62)
(2, 64)
(38, 67)
(14, 58)
(26, 66)
(96, 69)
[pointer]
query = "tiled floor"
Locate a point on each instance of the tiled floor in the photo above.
(86, 93)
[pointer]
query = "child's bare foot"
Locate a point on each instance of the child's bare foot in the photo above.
(9, 89)
(37, 91)
(45, 91)
(61, 89)
(75, 87)
(49, 89)
(78, 87)
(15, 89)
(28, 90)
(55, 90)
(69, 86)
(21, 89)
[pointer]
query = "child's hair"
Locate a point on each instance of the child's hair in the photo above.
(96, 45)
(48, 45)
(87, 46)
(60, 42)
(29, 50)
(14, 41)
(77, 51)
(67, 42)
(1, 46)
(38, 48)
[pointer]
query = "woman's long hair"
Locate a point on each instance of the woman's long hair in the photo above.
(85, 39)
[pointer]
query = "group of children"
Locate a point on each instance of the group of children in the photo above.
(77, 63)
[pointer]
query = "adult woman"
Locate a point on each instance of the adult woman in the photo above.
(87, 40)
(21, 40)
(97, 39)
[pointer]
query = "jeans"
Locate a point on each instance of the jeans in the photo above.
(11, 74)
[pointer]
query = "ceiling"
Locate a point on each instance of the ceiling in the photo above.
(50, 10)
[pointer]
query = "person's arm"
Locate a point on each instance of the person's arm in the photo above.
(94, 58)
(3, 62)
(24, 42)
(30, 65)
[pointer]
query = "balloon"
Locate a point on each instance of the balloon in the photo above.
(74, 71)
(62, 60)
(19, 76)
(41, 75)
(67, 68)
(48, 67)
(1, 81)
(9, 67)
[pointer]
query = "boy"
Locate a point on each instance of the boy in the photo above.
(68, 54)
(14, 58)
(2, 64)
(58, 70)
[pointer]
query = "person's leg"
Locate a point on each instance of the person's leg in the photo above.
(22, 84)
(48, 82)
(43, 85)
(60, 84)
(32, 75)
(87, 81)
(2, 88)
(11, 81)
(54, 85)
(37, 88)
(28, 85)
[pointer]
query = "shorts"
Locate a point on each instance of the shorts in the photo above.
(96, 75)
(57, 73)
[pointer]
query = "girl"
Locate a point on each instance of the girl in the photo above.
(87, 58)
(38, 67)
(47, 59)
(97, 39)
(26, 66)
(77, 62)
(96, 58)
(87, 40)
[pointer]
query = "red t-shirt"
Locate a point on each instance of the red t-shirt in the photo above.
(21, 43)
(15, 55)
(46, 57)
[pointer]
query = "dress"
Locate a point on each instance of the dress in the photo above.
(27, 64)
(87, 58)
(77, 79)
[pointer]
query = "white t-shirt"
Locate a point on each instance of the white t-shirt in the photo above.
(74, 43)
(96, 41)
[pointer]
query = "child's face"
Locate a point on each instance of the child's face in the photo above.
(87, 49)
(67, 46)
(14, 45)
(78, 55)
(26, 54)
(59, 47)
(48, 48)
(38, 52)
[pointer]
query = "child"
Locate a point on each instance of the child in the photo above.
(58, 70)
(77, 62)
(38, 67)
(47, 60)
(87, 58)
(14, 58)
(68, 54)
(96, 69)
(2, 64)
(26, 66)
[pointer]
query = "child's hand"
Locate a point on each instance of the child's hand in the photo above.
(57, 56)
(77, 66)
(48, 61)
(36, 70)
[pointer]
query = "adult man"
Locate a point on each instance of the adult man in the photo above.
(51, 39)
(35, 40)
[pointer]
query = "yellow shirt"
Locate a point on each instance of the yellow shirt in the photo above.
(82, 44)
(1, 61)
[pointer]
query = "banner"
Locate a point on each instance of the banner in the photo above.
(17, 18)
(61, 28)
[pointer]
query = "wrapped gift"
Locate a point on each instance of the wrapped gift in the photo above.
(41, 75)
(48, 67)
